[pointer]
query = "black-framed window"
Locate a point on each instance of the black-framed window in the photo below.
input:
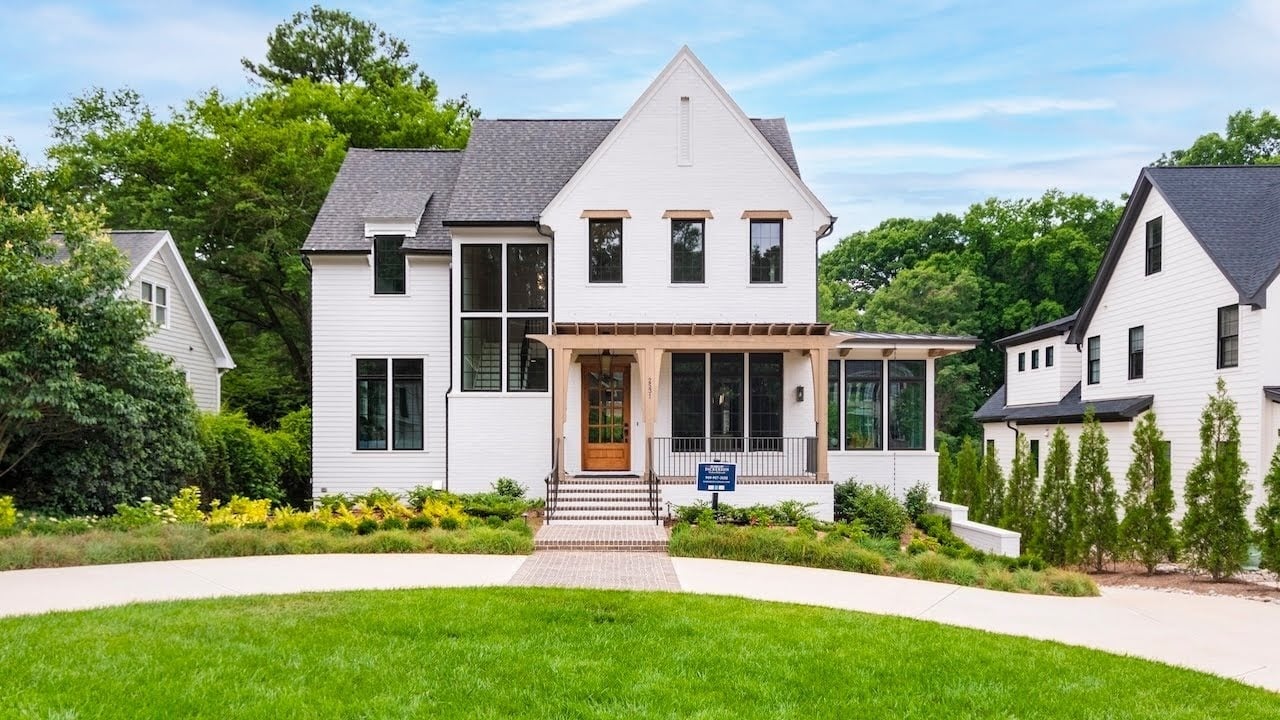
(371, 404)
(688, 260)
(726, 401)
(482, 353)
(527, 369)
(1035, 359)
(527, 275)
(1155, 243)
(388, 265)
(688, 402)
(764, 378)
(863, 404)
(833, 404)
(1022, 361)
(604, 263)
(1228, 336)
(481, 278)
(906, 404)
(1048, 357)
(1035, 457)
(1095, 359)
(407, 401)
(766, 251)
(1136, 344)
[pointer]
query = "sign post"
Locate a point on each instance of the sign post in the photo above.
(715, 478)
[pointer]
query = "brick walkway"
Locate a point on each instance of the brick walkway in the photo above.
(630, 538)
(604, 570)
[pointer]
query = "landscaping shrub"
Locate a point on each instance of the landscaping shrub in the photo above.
(509, 488)
(291, 443)
(239, 458)
(1215, 532)
(875, 507)
(917, 501)
(420, 522)
(8, 514)
(394, 523)
(449, 522)
(787, 512)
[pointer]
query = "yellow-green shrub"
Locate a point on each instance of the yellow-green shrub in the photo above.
(286, 519)
(8, 513)
(186, 505)
(239, 512)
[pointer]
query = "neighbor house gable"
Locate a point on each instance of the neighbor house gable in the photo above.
(168, 252)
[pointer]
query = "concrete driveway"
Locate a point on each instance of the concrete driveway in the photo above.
(1225, 636)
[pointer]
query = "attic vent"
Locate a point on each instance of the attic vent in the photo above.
(685, 153)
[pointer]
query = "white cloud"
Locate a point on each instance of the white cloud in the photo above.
(517, 16)
(868, 154)
(784, 72)
(563, 70)
(971, 110)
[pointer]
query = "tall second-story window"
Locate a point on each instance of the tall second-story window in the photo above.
(604, 261)
(1022, 361)
(766, 251)
(1048, 356)
(1095, 359)
(1035, 359)
(504, 300)
(1154, 245)
(688, 264)
(388, 265)
(1136, 342)
(1228, 336)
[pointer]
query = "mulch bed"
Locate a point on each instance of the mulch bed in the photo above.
(1255, 585)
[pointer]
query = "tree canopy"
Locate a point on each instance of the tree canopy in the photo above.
(333, 46)
(1250, 140)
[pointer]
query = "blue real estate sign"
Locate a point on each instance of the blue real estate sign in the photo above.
(717, 477)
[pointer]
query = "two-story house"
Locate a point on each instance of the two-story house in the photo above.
(1185, 294)
(181, 326)
(601, 305)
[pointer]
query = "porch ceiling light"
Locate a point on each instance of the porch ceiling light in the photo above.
(606, 362)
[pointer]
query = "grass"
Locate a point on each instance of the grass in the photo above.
(870, 555)
(524, 652)
(185, 542)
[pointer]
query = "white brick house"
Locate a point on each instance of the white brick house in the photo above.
(600, 305)
(1185, 295)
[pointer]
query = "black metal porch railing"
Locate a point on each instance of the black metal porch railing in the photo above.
(553, 482)
(755, 457)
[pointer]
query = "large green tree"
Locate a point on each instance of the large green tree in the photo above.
(1052, 534)
(1093, 498)
(88, 415)
(239, 181)
(1268, 516)
(1019, 508)
(1215, 532)
(1146, 532)
(1249, 140)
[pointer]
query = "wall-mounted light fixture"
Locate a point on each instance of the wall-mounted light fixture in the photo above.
(606, 362)
(799, 393)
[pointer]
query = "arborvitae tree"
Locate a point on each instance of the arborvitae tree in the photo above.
(966, 482)
(1051, 536)
(1094, 498)
(992, 493)
(946, 474)
(1215, 532)
(1146, 533)
(1269, 517)
(1020, 496)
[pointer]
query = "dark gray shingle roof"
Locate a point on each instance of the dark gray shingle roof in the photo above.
(397, 204)
(1049, 329)
(1067, 410)
(1234, 212)
(513, 168)
(390, 180)
(135, 244)
(1272, 392)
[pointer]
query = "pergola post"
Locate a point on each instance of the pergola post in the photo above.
(650, 360)
(818, 360)
(559, 405)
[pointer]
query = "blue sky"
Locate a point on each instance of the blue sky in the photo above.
(902, 108)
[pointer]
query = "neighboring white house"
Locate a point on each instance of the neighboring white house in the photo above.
(601, 304)
(1185, 295)
(182, 327)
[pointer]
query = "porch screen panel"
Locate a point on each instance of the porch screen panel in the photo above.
(906, 404)
(407, 401)
(833, 404)
(726, 402)
(481, 278)
(482, 354)
(863, 404)
(765, 376)
(371, 404)
(688, 402)
(526, 359)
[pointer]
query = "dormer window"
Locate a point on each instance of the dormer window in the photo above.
(1154, 245)
(388, 265)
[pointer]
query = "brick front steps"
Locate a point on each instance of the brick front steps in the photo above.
(602, 538)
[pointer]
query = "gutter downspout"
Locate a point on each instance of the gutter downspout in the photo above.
(449, 390)
(550, 235)
(823, 232)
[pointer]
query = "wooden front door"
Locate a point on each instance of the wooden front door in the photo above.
(606, 417)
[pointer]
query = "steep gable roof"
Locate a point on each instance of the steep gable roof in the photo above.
(137, 245)
(386, 182)
(512, 169)
(1232, 211)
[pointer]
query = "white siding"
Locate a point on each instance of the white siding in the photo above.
(349, 322)
(819, 495)
(182, 339)
(1178, 309)
(1043, 384)
(729, 173)
(895, 471)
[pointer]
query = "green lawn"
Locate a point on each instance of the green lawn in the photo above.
(508, 652)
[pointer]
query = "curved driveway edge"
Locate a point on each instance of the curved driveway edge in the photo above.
(1226, 636)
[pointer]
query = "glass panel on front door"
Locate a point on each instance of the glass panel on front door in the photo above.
(606, 410)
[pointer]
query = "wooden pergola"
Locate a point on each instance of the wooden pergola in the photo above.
(648, 341)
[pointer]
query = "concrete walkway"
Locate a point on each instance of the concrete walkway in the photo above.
(1226, 636)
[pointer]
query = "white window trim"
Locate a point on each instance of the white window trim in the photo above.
(151, 303)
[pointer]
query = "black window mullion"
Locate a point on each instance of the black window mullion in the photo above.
(766, 251)
(1228, 336)
(1136, 343)
(688, 261)
(371, 404)
(408, 402)
(1094, 368)
(388, 265)
(604, 261)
